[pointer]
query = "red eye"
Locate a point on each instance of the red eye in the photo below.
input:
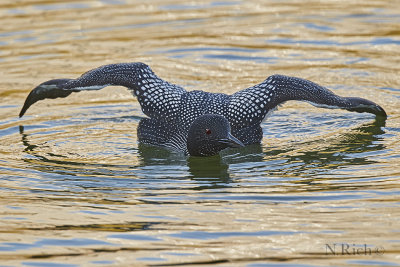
(208, 131)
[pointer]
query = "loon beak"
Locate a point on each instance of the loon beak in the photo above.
(232, 141)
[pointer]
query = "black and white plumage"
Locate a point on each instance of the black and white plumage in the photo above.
(172, 110)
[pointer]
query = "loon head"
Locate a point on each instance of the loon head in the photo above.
(209, 134)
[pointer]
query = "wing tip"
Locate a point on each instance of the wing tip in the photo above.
(365, 105)
(23, 110)
(28, 102)
(48, 89)
(381, 112)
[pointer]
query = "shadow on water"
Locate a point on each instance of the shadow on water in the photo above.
(199, 167)
(120, 227)
(348, 149)
(214, 170)
(209, 167)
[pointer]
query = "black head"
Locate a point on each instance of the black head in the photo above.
(209, 134)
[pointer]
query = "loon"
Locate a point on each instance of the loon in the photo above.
(196, 122)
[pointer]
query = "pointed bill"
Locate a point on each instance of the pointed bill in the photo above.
(232, 141)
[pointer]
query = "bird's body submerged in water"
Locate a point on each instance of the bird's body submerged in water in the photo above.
(196, 122)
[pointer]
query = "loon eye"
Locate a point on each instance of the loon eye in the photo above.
(208, 131)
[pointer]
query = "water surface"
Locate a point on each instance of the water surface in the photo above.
(78, 190)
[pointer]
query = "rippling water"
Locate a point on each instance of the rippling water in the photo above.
(78, 190)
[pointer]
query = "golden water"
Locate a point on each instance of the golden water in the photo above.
(78, 190)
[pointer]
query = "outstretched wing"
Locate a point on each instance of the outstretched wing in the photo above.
(158, 98)
(252, 105)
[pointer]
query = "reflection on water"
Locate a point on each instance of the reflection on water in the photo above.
(78, 190)
(350, 149)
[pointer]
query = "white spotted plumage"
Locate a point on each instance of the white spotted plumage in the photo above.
(171, 109)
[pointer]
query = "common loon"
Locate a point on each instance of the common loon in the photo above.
(196, 122)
